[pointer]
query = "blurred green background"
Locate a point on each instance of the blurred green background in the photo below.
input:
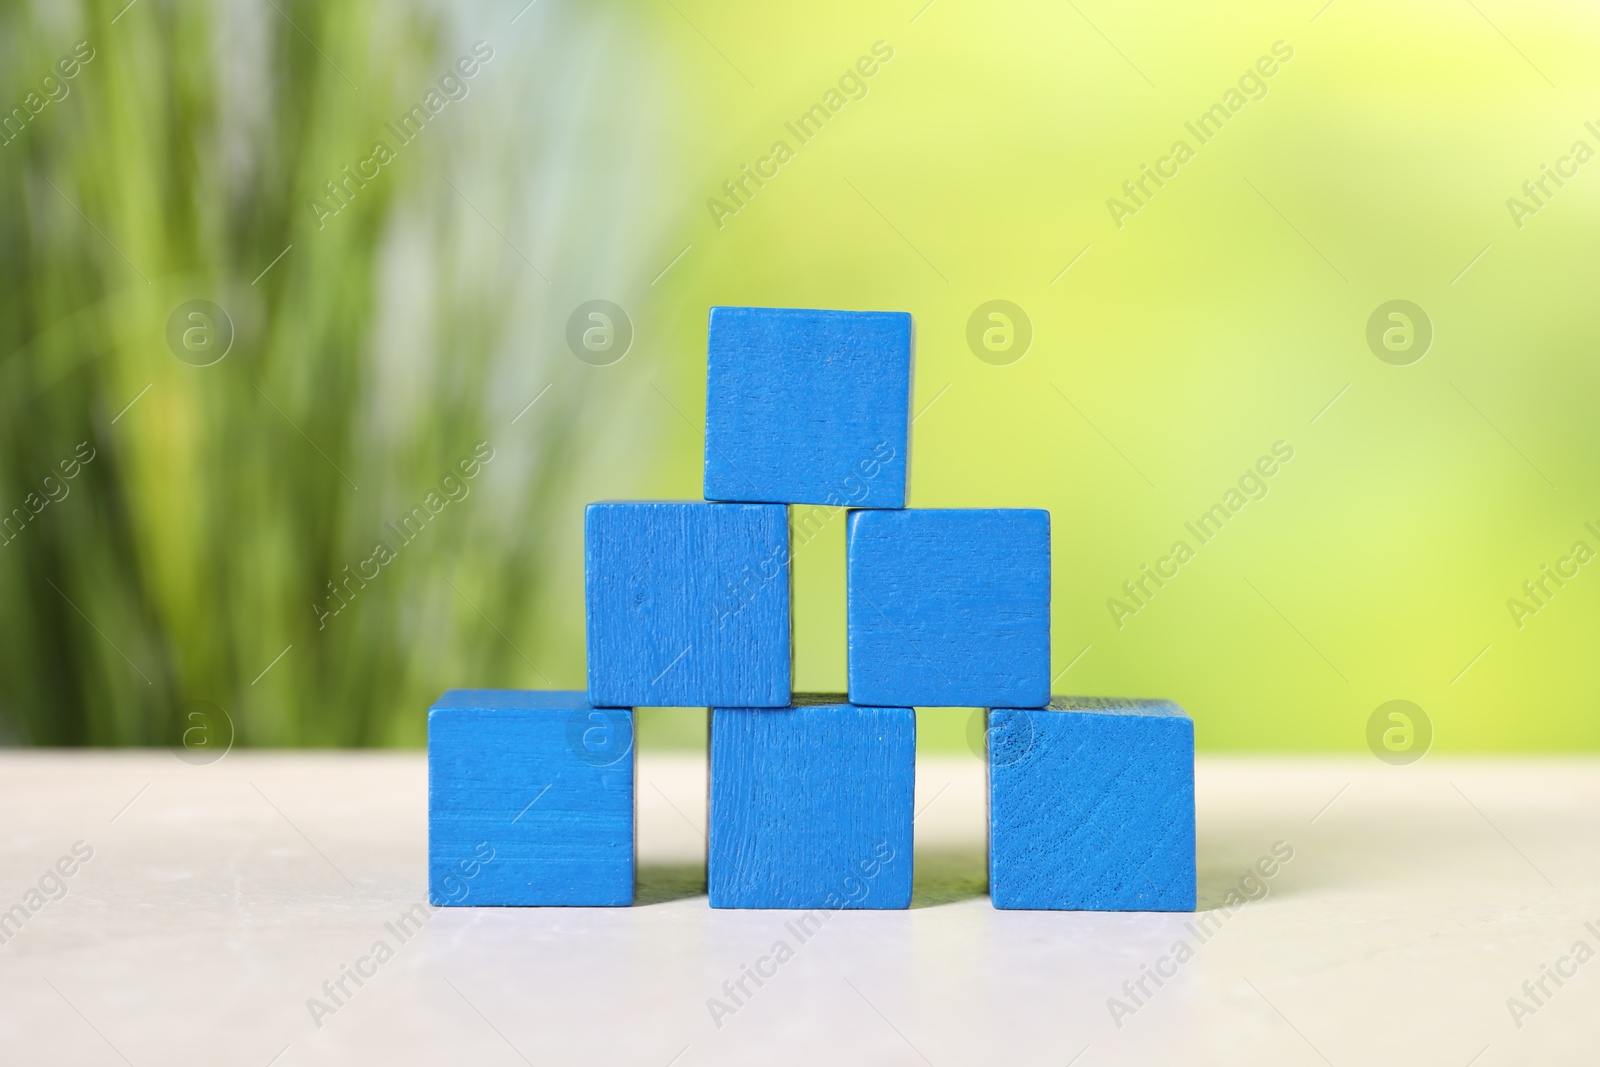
(1158, 339)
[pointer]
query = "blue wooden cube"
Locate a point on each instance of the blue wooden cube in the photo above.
(949, 607)
(688, 604)
(808, 407)
(530, 800)
(1091, 806)
(811, 806)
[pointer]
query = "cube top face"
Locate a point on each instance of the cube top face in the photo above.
(1118, 706)
(687, 604)
(949, 607)
(811, 807)
(529, 805)
(1092, 808)
(808, 407)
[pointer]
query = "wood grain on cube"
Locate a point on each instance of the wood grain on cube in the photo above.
(687, 604)
(530, 800)
(808, 407)
(949, 607)
(1091, 806)
(811, 806)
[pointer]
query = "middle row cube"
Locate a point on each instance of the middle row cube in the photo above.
(688, 605)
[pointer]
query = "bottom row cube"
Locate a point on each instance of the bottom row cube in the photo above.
(811, 806)
(531, 802)
(530, 799)
(1091, 806)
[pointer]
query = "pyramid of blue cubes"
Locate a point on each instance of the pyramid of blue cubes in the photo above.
(531, 793)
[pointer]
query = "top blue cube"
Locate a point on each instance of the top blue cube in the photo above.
(808, 407)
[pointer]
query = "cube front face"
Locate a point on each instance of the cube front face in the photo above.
(808, 407)
(530, 800)
(811, 807)
(687, 604)
(949, 607)
(1091, 807)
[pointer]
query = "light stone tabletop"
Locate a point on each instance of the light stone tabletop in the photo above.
(155, 912)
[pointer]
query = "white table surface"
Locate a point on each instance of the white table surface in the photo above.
(219, 898)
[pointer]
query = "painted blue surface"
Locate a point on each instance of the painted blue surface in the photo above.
(688, 604)
(949, 607)
(530, 800)
(1091, 806)
(808, 407)
(811, 807)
